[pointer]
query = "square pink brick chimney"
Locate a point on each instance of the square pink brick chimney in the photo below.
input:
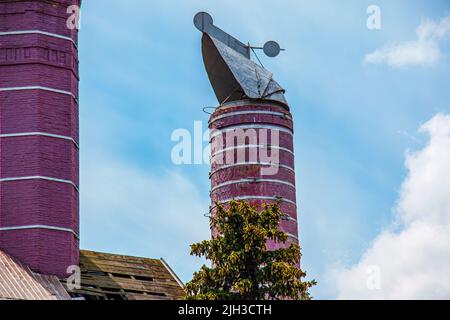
(39, 135)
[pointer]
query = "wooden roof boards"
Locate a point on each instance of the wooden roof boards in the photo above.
(116, 277)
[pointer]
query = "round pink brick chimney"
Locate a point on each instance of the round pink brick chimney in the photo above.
(253, 158)
(39, 134)
(251, 130)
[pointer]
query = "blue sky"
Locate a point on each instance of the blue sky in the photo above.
(142, 77)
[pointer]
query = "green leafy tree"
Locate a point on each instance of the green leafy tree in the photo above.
(242, 267)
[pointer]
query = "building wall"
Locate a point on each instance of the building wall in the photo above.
(39, 135)
(245, 180)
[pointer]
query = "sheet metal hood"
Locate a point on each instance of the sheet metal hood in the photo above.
(234, 76)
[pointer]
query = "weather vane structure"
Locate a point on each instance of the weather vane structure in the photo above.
(232, 73)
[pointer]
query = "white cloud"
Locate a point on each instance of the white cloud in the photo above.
(411, 258)
(424, 50)
(433, 30)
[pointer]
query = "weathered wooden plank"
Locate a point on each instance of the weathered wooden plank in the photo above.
(109, 265)
(131, 287)
(127, 282)
(107, 275)
(161, 273)
(117, 258)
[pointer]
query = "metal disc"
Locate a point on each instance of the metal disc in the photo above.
(202, 21)
(272, 49)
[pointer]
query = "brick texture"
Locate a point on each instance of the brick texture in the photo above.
(39, 60)
(224, 172)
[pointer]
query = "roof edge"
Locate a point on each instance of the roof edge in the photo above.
(172, 273)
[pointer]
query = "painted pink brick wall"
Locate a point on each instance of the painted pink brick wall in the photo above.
(266, 189)
(49, 16)
(39, 75)
(221, 173)
(285, 158)
(38, 111)
(285, 138)
(250, 171)
(39, 156)
(253, 118)
(39, 60)
(37, 48)
(39, 202)
(39, 255)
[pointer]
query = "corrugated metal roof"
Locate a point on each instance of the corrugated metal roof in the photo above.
(18, 282)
